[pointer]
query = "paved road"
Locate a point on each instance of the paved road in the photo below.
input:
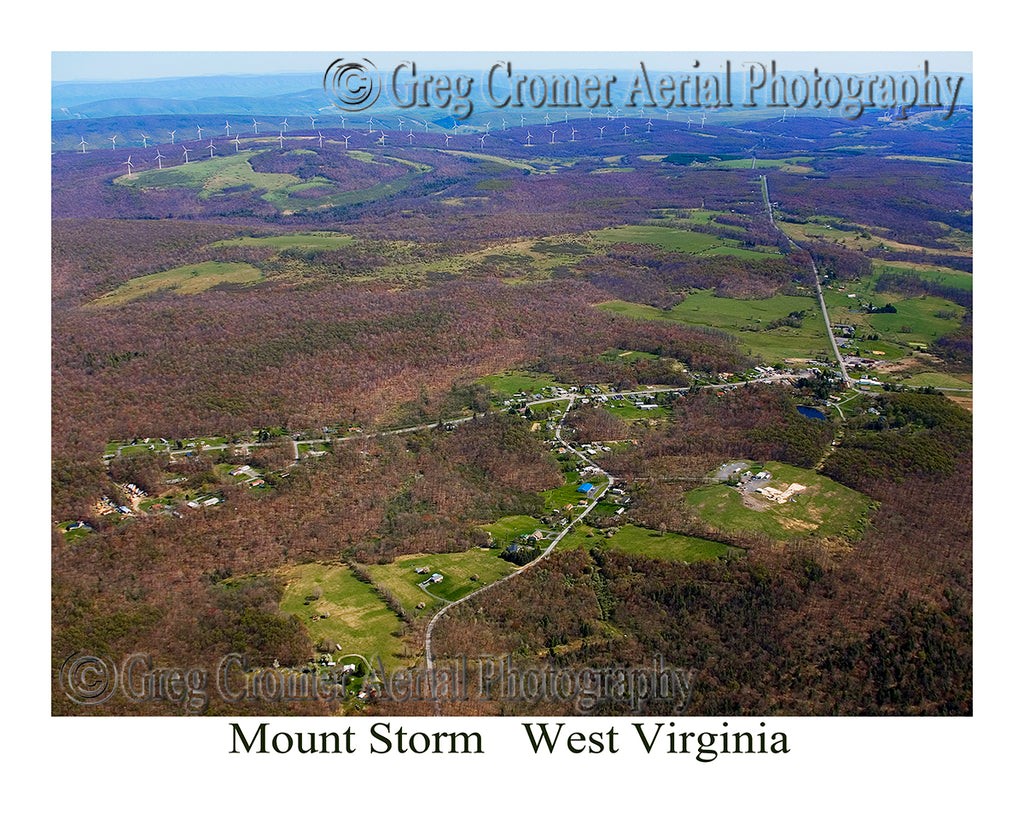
(427, 647)
(817, 285)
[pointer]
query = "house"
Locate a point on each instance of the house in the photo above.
(436, 577)
(586, 488)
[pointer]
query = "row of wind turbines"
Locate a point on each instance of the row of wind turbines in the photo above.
(379, 127)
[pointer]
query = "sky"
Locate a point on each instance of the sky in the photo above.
(70, 66)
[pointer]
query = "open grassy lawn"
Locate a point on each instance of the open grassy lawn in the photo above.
(703, 308)
(511, 527)
(515, 381)
(826, 508)
(635, 540)
(569, 494)
(627, 411)
(320, 240)
(457, 567)
(185, 280)
(357, 619)
(670, 238)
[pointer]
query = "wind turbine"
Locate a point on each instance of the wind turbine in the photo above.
(547, 119)
(159, 157)
(129, 164)
(284, 123)
(410, 137)
(83, 143)
(172, 133)
(482, 138)
(199, 128)
(210, 146)
(255, 127)
(401, 122)
(144, 140)
(342, 120)
(383, 136)
(426, 127)
(113, 140)
(235, 140)
(649, 126)
(625, 128)
(320, 138)
(573, 135)
(566, 117)
(529, 137)
(227, 129)
(504, 124)
(522, 120)
(186, 155)
(601, 129)
(487, 127)
(346, 142)
(705, 116)
(553, 136)
(280, 138)
(312, 123)
(447, 139)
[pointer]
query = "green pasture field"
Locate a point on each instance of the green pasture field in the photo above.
(185, 280)
(515, 381)
(358, 620)
(212, 175)
(918, 314)
(635, 540)
(678, 239)
(827, 508)
(508, 528)
(320, 240)
(938, 380)
(943, 275)
(457, 567)
(703, 308)
(631, 539)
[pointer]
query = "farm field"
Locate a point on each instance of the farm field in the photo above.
(679, 239)
(703, 308)
(635, 540)
(357, 618)
(826, 508)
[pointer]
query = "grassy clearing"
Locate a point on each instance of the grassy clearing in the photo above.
(215, 175)
(703, 308)
(943, 275)
(938, 380)
(357, 619)
(679, 239)
(826, 508)
(507, 529)
(321, 240)
(185, 280)
(458, 567)
(635, 540)
(515, 381)
(555, 500)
